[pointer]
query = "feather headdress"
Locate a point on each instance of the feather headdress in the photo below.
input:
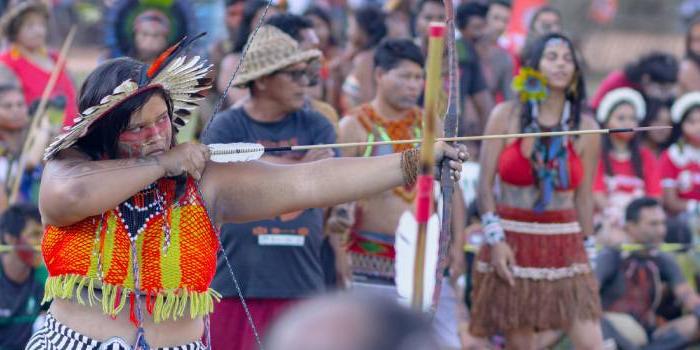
(182, 78)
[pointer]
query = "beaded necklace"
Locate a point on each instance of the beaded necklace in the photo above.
(398, 130)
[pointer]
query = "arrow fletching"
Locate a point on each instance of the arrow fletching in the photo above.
(235, 152)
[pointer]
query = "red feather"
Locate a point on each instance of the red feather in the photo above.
(155, 66)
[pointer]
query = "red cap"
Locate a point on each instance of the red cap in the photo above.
(436, 29)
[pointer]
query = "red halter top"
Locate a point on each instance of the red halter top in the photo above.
(515, 169)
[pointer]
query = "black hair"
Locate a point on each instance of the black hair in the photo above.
(634, 147)
(504, 3)
(372, 21)
(390, 52)
(542, 10)
(246, 28)
(422, 3)
(466, 10)
(231, 2)
(9, 86)
(102, 138)
(634, 209)
(531, 58)
(659, 66)
(291, 24)
(677, 133)
(325, 17)
(15, 24)
(15, 218)
(654, 106)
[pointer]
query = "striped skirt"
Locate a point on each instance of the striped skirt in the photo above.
(554, 283)
(54, 335)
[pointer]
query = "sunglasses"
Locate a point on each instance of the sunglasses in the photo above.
(297, 75)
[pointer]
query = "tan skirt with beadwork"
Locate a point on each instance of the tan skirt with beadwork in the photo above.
(554, 282)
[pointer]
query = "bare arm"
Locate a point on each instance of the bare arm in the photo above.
(257, 190)
(688, 297)
(490, 149)
(584, 193)
(227, 67)
(673, 204)
(483, 103)
(73, 187)
(362, 70)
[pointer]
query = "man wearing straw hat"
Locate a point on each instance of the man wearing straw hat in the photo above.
(279, 259)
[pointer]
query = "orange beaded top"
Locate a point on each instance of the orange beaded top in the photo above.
(175, 254)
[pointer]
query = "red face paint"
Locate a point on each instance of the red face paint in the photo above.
(140, 141)
(28, 256)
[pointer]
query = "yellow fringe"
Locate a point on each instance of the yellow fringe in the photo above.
(169, 304)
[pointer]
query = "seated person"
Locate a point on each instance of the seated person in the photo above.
(632, 284)
(21, 278)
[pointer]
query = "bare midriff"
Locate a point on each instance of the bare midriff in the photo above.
(381, 213)
(91, 322)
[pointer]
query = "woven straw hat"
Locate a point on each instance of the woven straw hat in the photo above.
(270, 51)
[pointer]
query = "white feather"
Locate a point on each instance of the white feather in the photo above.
(235, 152)
(405, 246)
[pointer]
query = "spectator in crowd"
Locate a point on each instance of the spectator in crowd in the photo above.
(536, 218)
(26, 27)
(496, 62)
(279, 259)
(658, 114)
(351, 322)
(393, 114)
(252, 13)
(427, 11)
(232, 21)
(547, 19)
(367, 27)
(398, 18)
(302, 30)
(654, 75)
(21, 282)
(151, 32)
(632, 284)
(14, 123)
(328, 44)
(689, 73)
(470, 19)
(680, 163)
(627, 170)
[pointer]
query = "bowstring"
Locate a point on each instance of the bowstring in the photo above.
(218, 105)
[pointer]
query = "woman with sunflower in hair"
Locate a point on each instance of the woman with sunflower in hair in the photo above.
(534, 273)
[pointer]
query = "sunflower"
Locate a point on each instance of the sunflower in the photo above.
(530, 84)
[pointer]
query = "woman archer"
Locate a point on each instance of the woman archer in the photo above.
(132, 217)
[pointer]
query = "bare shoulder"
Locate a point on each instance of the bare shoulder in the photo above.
(351, 125)
(588, 122)
(504, 117)
(364, 57)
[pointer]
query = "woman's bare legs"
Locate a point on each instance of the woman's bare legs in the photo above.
(586, 335)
